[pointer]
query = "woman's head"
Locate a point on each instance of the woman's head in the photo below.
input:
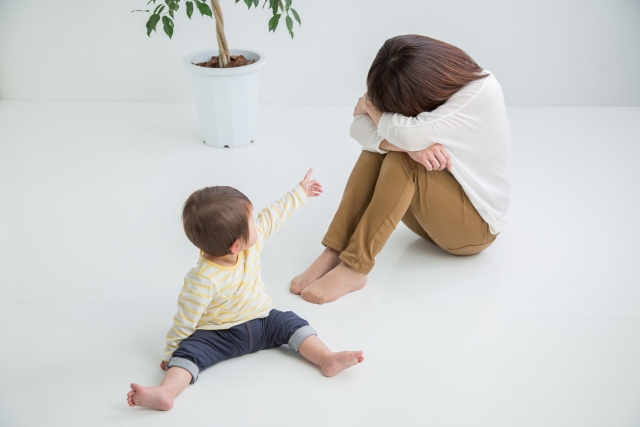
(413, 73)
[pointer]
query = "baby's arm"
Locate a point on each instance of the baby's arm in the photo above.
(195, 297)
(271, 218)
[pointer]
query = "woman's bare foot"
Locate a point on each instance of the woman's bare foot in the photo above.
(336, 283)
(338, 362)
(326, 262)
(150, 397)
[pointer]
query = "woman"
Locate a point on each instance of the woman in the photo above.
(436, 145)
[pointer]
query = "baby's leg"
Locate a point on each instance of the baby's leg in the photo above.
(288, 328)
(331, 363)
(195, 353)
(161, 397)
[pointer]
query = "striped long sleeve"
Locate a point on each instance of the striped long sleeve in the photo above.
(271, 218)
(195, 296)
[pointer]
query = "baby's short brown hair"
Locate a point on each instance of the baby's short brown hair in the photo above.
(215, 217)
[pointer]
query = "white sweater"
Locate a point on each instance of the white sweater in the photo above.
(472, 125)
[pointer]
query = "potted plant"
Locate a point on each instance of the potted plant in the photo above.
(225, 81)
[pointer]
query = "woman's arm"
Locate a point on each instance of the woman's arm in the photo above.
(434, 157)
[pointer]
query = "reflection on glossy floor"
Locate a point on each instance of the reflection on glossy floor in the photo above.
(542, 329)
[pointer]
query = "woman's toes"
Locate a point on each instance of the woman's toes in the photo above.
(296, 285)
(313, 296)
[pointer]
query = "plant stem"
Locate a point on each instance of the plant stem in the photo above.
(223, 47)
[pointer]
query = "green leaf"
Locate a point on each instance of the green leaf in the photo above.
(204, 9)
(173, 5)
(168, 25)
(159, 9)
(288, 3)
(189, 9)
(289, 22)
(154, 1)
(256, 3)
(273, 5)
(171, 13)
(295, 15)
(273, 22)
(152, 22)
(139, 10)
(249, 3)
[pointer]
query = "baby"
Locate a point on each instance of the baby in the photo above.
(223, 309)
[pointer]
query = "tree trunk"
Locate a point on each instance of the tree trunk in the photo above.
(223, 47)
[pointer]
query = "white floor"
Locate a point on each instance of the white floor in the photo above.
(542, 329)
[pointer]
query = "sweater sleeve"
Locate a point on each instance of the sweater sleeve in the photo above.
(195, 297)
(410, 133)
(428, 128)
(364, 131)
(271, 218)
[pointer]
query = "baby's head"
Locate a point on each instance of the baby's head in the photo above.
(219, 221)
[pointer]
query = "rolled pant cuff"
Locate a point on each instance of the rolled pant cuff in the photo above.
(364, 269)
(185, 364)
(299, 336)
(332, 245)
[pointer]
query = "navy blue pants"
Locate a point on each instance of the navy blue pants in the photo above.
(205, 348)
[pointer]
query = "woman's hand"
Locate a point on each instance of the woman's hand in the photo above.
(432, 158)
(372, 111)
(312, 187)
(360, 106)
(163, 365)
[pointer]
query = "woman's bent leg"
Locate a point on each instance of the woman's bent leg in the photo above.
(438, 206)
(409, 219)
(357, 195)
(355, 200)
(444, 211)
(392, 196)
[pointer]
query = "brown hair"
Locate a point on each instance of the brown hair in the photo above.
(215, 217)
(413, 73)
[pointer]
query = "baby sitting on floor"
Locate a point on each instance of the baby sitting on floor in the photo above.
(223, 309)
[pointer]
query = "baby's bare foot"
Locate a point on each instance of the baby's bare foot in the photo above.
(150, 397)
(338, 362)
(336, 283)
(326, 262)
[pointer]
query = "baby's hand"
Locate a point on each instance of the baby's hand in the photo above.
(432, 158)
(163, 365)
(312, 187)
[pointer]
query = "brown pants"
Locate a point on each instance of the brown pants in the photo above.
(384, 189)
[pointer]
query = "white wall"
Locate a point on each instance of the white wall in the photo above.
(545, 52)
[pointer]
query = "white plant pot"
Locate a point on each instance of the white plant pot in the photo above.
(226, 98)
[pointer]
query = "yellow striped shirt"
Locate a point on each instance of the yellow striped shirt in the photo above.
(219, 297)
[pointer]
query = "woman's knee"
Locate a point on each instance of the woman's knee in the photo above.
(397, 162)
